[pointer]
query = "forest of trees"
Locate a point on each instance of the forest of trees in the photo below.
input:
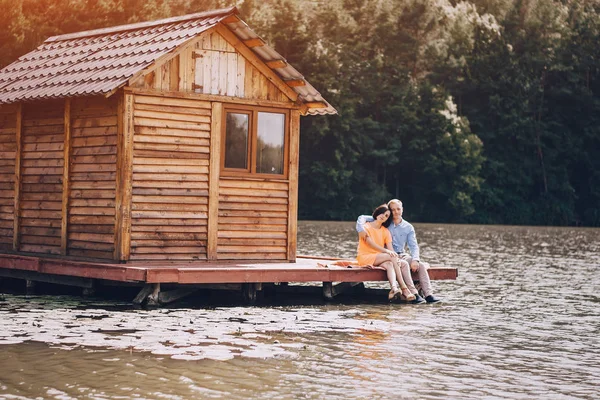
(481, 111)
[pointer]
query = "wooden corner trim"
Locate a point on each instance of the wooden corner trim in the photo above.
(124, 177)
(293, 161)
(213, 178)
(18, 154)
(64, 231)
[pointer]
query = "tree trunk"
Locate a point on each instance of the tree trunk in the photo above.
(538, 133)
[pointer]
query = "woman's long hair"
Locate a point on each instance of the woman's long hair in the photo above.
(381, 210)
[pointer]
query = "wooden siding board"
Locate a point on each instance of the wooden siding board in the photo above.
(241, 76)
(161, 108)
(215, 59)
(164, 99)
(174, 73)
(185, 66)
(231, 77)
(198, 75)
(223, 71)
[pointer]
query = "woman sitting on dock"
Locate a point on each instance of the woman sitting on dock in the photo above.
(375, 248)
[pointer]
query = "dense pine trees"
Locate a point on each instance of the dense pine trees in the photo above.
(481, 111)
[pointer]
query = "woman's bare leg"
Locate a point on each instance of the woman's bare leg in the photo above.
(398, 272)
(386, 261)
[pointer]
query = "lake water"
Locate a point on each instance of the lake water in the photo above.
(521, 321)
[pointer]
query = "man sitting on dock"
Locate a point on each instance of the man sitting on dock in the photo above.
(403, 233)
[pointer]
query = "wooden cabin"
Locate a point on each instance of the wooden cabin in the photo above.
(166, 140)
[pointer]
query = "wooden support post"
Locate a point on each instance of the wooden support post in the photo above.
(294, 159)
(143, 294)
(153, 298)
(29, 287)
(330, 290)
(213, 180)
(249, 291)
(171, 296)
(64, 231)
(89, 291)
(124, 177)
(18, 152)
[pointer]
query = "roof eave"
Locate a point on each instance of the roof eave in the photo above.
(141, 25)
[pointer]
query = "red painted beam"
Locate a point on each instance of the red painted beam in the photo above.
(292, 274)
(216, 272)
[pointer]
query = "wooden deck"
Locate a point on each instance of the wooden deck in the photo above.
(304, 270)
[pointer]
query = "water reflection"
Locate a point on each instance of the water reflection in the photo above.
(520, 322)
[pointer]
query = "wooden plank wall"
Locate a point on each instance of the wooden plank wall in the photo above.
(211, 66)
(253, 219)
(92, 186)
(170, 178)
(220, 69)
(8, 147)
(41, 176)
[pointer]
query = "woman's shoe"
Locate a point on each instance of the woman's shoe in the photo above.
(394, 293)
(407, 295)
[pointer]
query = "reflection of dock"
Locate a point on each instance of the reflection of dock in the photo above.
(149, 275)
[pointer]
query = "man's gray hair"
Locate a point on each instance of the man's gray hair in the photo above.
(394, 201)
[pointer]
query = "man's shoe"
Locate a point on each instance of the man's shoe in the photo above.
(432, 299)
(418, 299)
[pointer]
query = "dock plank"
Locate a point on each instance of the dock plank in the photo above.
(197, 272)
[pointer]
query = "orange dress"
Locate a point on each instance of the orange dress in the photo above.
(367, 254)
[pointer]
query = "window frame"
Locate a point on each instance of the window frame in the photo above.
(253, 111)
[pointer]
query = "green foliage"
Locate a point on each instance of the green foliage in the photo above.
(480, 111)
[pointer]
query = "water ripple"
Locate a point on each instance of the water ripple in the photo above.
(522, 321)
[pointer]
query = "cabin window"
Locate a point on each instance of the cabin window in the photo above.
(255, 142)
(236, 140)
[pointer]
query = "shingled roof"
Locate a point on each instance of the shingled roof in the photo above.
(98, 62)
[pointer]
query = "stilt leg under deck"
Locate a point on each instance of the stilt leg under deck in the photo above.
(29, 287)
(330, 290)
(249, 291)
(153, 298)
(89, 291)
(143, 294)
(176, 294)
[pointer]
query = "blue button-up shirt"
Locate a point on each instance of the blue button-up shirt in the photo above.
(402, 234)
